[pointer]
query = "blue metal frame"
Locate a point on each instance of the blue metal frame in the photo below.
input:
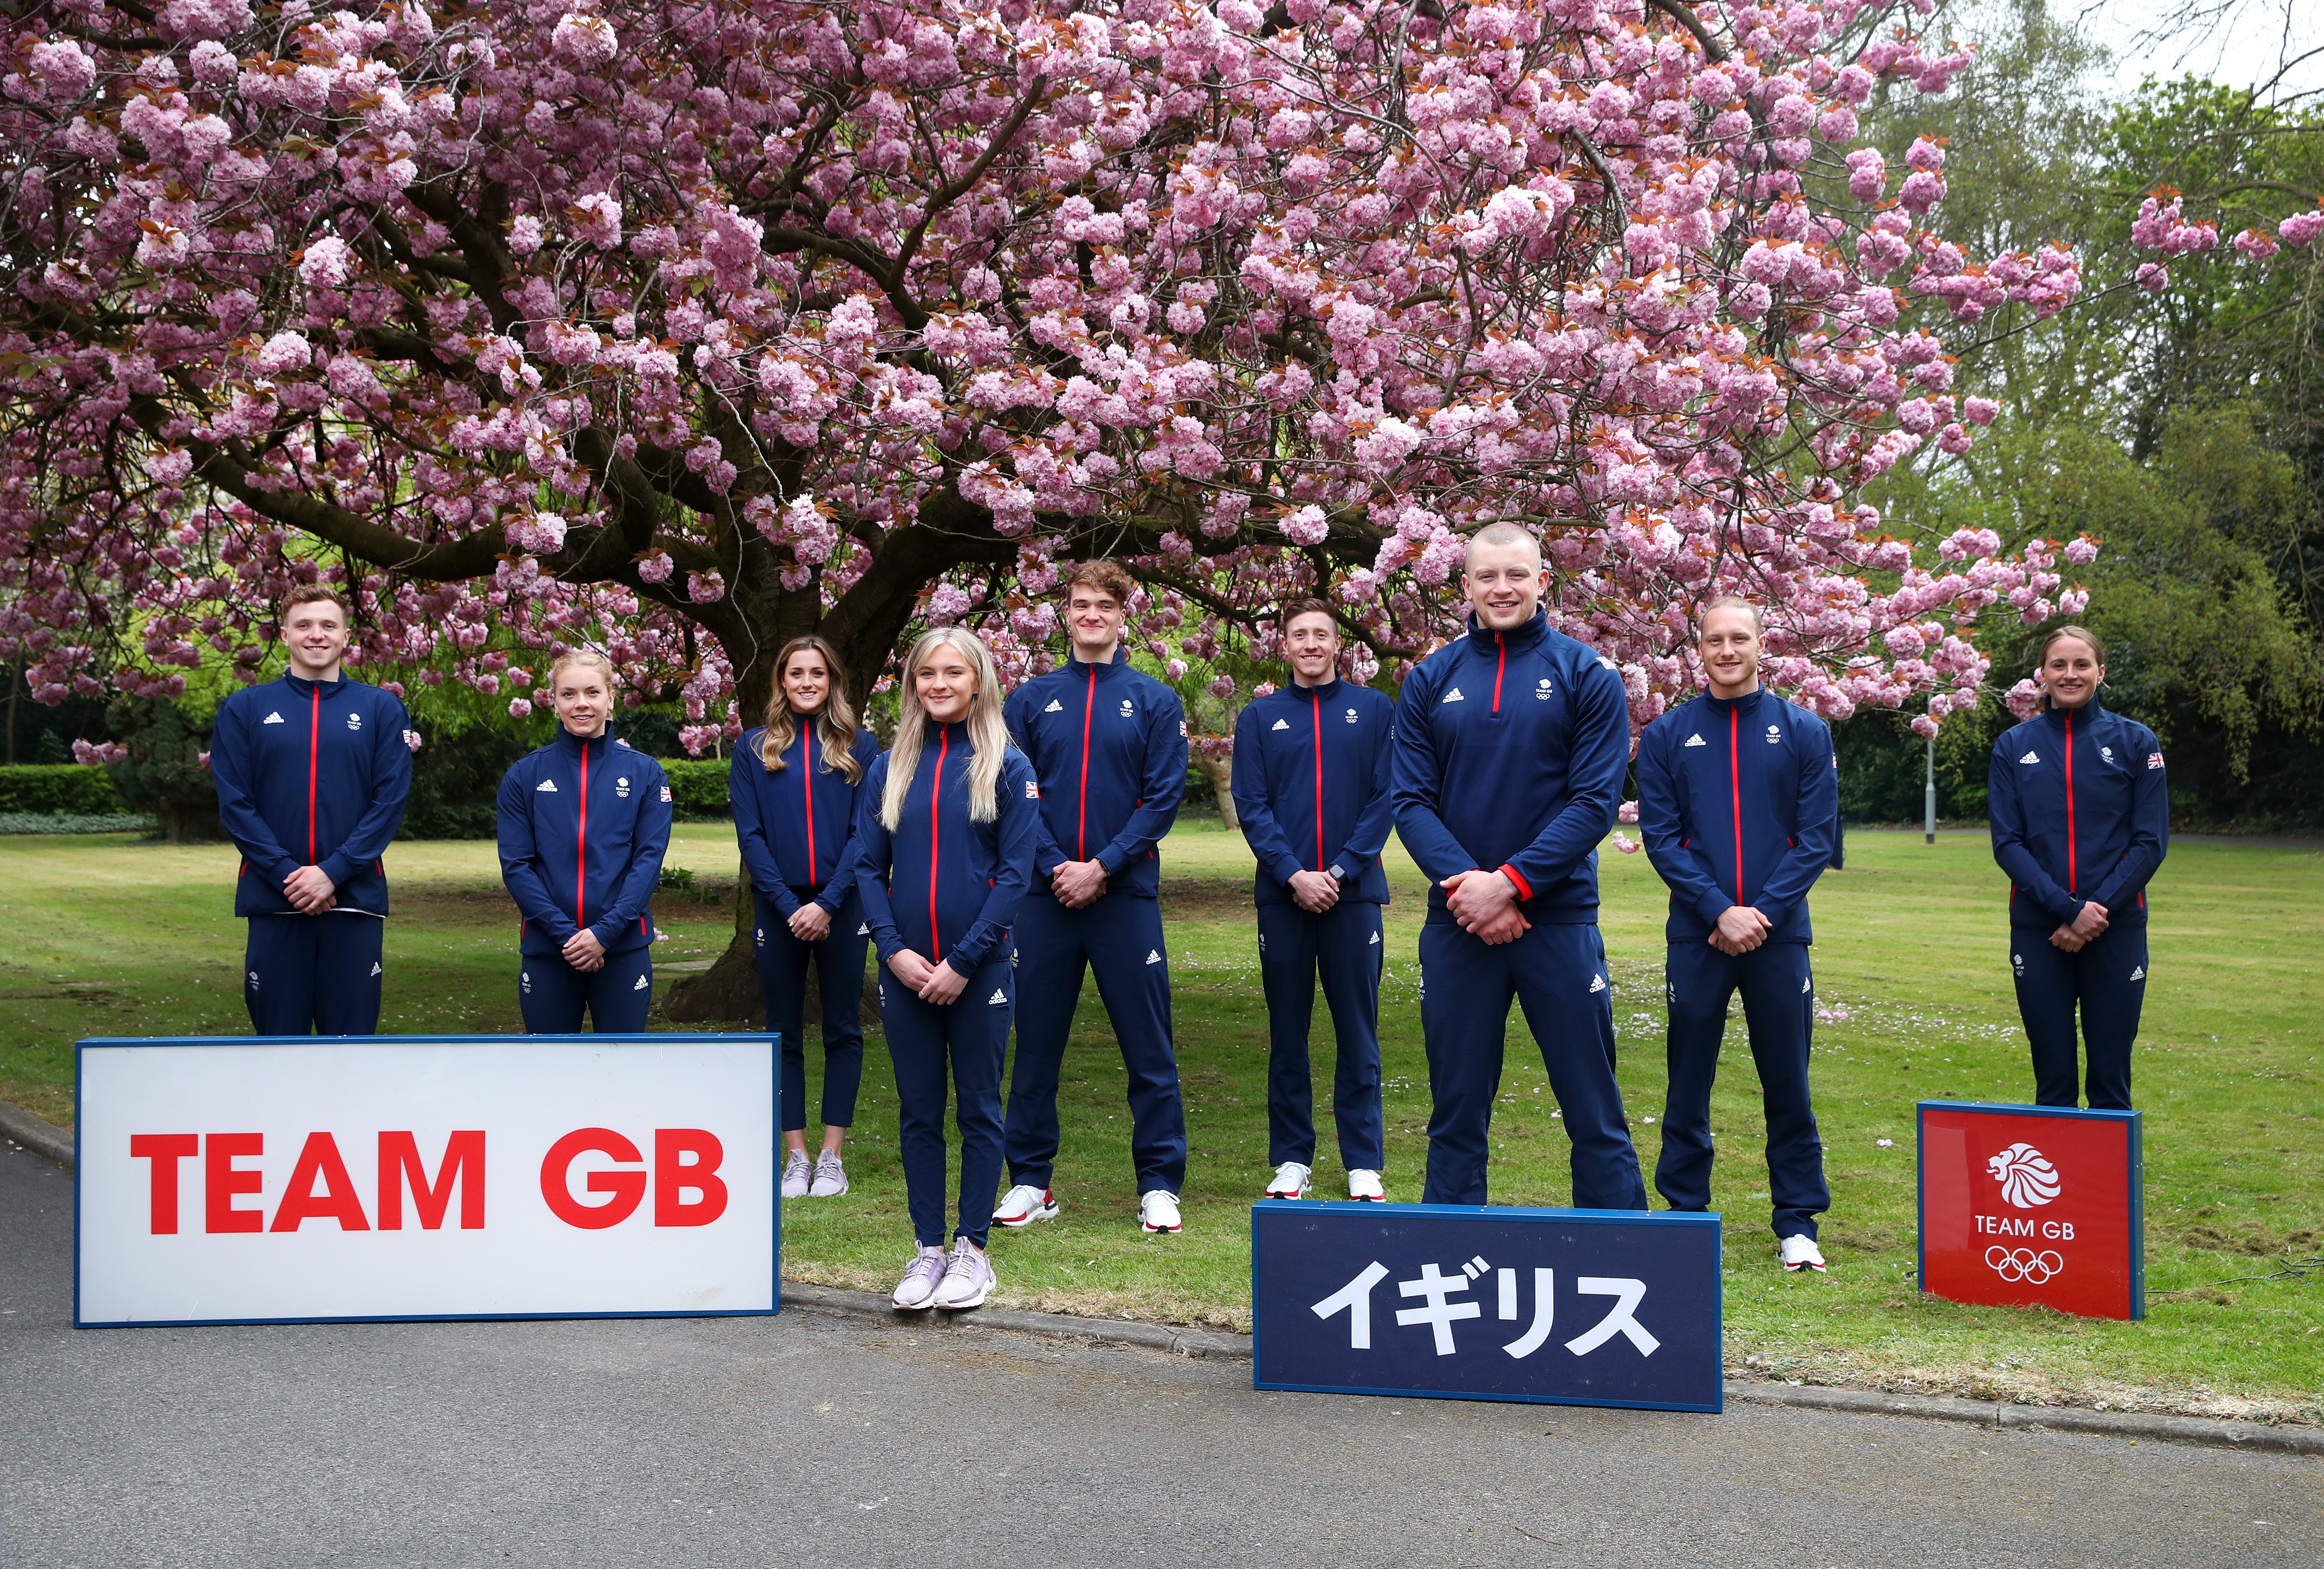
(1529, 1214)
(772, 1038)
(2134, 1151)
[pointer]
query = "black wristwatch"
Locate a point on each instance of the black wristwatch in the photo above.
(1339, 872)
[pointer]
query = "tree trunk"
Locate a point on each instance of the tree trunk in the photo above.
(1219, 772)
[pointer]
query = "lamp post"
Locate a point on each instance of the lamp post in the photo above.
(1929, 796)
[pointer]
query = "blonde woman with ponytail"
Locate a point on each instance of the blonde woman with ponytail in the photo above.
(793, 785)
(944, 832)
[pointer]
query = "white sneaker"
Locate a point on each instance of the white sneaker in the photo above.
(1290, 1181)
(1365, 1186)
(1023, 1205)
(830, 1177)
(968, 1277)
(797, 1173)
(917, 1289)
(1801, 1254)
(1159, 1210)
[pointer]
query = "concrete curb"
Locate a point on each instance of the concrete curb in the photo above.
(36, 1134)
(2215, 1432)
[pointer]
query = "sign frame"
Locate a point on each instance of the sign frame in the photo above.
(1522, 1215)
(2135, 1176)
(772, 1039)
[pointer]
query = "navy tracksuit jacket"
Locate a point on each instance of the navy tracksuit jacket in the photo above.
(1510, 752)
(1311, 788)
(312, 773)
(1109, 746)
(2081, 813)
(584, 825)
(1737, 803)
(948, 888)
(796, 830)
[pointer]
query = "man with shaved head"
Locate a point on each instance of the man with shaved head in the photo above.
(1511, 746)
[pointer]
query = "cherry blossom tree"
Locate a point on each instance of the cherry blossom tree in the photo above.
(684, 326)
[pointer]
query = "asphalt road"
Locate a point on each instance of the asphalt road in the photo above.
(827, 1440)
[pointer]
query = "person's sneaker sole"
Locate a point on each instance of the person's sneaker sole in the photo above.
(1795, 1269)
(1048, 1211)
(1171, 1230)
(1277, 1192)
(976, 1301)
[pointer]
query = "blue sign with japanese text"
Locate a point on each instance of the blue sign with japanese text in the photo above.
(1568, 1306)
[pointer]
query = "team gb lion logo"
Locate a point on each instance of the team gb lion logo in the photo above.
(2027, 1176)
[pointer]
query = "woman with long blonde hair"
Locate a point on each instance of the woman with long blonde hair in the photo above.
(945, 836)
(793, 785)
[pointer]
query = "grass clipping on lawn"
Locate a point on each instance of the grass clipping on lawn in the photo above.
(116, 937)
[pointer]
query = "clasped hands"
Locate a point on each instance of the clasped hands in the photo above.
(1485, 903)
(1740, 928)
(938, 984)
(1078, 884)
(2090, 924)
(310, 890)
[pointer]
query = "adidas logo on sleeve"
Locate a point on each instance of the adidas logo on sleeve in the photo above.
(1055, 708)
(1451, 697)
(1281, 725)
(546, 787)
(275, 718)
(1696, 741)
(2031, 757)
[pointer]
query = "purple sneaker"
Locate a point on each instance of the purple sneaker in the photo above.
(968, 1277)
(918, 1286)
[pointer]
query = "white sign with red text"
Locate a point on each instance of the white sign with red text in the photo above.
(365, 1178)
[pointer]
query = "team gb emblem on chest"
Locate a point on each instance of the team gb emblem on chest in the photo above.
(1774, 735)
(1542, 689)
(355, 722)
(1127, 709)
(622, 789)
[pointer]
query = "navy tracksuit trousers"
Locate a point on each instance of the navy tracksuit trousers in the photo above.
(2108, 979)
(838, 964)
(1557, 974)
(1778, 990)
(969, 1037)
(1343, 946)
(1120, 937)
(553, 994)
(313, 974)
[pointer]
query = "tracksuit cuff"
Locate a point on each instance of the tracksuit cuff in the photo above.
(338, 868)
(1516, 881)
(889, 946)
(1712, 905)
(964, 962)
(1284, 869)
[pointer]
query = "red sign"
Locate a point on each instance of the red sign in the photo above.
(2032, 1206)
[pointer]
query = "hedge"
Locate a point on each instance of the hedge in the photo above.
(698, 787)
(69, 788)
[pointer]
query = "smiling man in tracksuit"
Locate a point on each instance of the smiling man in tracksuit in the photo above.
(1108, 745)
(1738, 797)
(1311, 788)
(583, 826)
(1511, 746)
(312, 772)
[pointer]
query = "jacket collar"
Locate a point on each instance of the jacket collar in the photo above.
(1104, 672)
(1323, 694)
(1747, 704)
(303, 686)
(571, 743)
(1525, 635)
(2055, 718)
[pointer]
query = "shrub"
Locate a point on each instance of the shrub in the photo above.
(57, 788)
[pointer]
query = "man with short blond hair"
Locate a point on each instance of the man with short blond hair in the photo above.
(312, 772)
(1738, 798)
(1511, 746)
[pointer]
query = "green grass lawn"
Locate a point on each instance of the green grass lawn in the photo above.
(110, 936)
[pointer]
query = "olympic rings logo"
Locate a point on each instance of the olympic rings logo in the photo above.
(2024, 1264)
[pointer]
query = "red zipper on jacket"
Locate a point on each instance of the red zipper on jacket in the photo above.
(806, 788)
(936, 813)
(1500, 669)
(1318, 696)
(581, 849)
(1081, 828)
(1735, 794)
(314, 746)
(2071, 868)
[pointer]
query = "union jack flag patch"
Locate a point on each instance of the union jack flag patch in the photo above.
(2155, 759)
